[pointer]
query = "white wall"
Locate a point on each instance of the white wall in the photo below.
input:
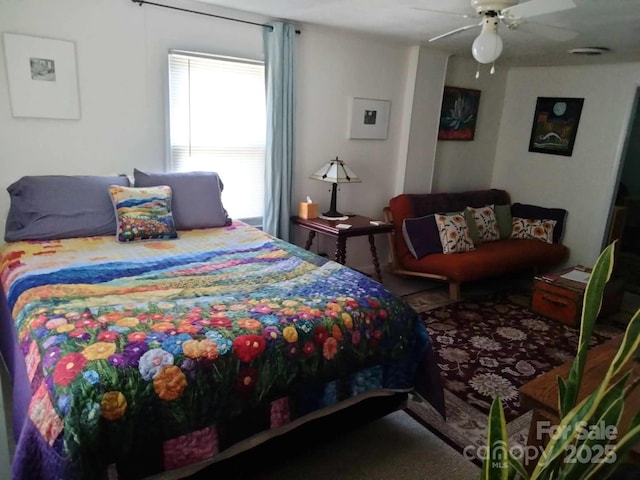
(425, 113)
(121, 51)
(468, 165)
(334, 66)
(583, 183)
(112, 82)
(121, 55)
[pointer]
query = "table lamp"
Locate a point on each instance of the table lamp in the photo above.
(335, 171)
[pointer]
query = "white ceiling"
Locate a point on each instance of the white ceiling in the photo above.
(614, 24)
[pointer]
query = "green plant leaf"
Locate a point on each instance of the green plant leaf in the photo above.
(517, 467)
(629, 346)
(603, 407)
(596, 443)
(590, 309)
(569, 429)
(614, 393)
(565, 434)
(562, 390)
(496, 463)
(615, 456)
(588, 407)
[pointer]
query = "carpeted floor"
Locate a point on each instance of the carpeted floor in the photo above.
(492, 346)
(393, 447)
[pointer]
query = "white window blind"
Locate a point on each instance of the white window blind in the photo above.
(218, 124)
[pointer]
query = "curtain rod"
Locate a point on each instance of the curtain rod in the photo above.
(142, 2)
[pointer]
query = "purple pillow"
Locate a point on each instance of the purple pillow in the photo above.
(421, 235)
(535, 212)
(196, 197)
(51, 207)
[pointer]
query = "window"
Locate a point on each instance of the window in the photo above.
(218, 124)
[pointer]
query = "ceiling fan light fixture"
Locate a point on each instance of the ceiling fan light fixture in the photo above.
(487, 47)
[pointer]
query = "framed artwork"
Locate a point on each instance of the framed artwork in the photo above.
(555, 124)
(458, 113)
(43, 78)
(369, 118)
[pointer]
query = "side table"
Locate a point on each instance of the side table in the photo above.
(359, 226)
(560, 298)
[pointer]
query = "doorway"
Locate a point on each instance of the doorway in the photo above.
(624, 223)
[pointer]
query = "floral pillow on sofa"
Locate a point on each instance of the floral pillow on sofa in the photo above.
(454, 233)
(535, 212)
(534, 229)
(484, 219)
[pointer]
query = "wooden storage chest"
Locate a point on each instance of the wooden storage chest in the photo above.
(559, 298)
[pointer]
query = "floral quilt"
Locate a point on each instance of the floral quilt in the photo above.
(153, 355)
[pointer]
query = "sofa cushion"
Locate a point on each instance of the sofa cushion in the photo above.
(471, 225)
(196, 197)
(534, 229)
(424, 204)
(491, 259)
(454, 233)
(484, 219)
(504, 219)
(421, 235)
(408, 205)
(542, 213)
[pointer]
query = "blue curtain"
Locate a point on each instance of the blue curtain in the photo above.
(279, 57)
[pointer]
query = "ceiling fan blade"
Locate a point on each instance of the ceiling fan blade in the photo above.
(551, 32)
(453, 32)
(537, 7)
(453, 14)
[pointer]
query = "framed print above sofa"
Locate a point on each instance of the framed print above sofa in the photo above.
(555, 125)
(458, 113)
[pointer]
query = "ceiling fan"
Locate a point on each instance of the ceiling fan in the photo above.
(487, 47)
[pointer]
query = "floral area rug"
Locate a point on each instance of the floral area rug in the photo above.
(493, 346)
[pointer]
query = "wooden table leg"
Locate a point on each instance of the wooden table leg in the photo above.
(341, 250)
(312, 234)
(374, 254)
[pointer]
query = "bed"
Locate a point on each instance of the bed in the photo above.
(130, 360)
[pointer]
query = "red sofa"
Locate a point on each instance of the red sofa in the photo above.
(490, 259)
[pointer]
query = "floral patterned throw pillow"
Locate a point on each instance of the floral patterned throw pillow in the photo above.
(454, 234)
(535, 229)
(143, 213)
(485, 222)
